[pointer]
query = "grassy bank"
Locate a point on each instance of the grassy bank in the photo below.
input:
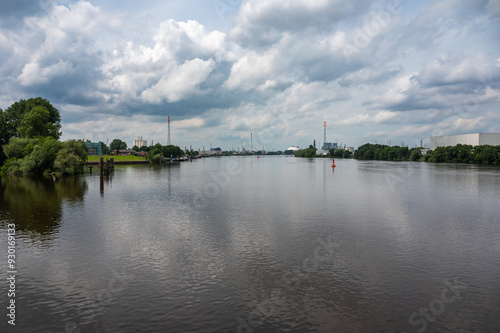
(117, 158)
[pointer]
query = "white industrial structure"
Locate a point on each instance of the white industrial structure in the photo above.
(139, 142)
(291, 150)
(475, 139)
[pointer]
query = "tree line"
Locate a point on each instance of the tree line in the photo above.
(484, 154)
(29, 142)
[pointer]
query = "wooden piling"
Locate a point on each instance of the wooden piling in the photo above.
(101, 166)
(101, 174)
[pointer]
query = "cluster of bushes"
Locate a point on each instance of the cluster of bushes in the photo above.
(483, 154)
(44, 155)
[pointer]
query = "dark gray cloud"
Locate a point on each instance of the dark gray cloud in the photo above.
(262, 23)
(17, 9)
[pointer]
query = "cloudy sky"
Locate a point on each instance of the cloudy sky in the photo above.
(373, 70)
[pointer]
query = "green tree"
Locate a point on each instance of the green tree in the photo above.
(38, 155)
(4, 135)
(42, 157)
(308, 152)
(341, 153)
(415, 154)
(71, 157)
(104, 149)
(20, 147)
(135, 148)
(117, 144)
(464, 154)
(172, 150)
(15, 113)
(11, 118)
(428, 156)
(35, 123)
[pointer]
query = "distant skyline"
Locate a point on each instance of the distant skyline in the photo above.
(222, 69)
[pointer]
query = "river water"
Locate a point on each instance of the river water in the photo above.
(240, 244)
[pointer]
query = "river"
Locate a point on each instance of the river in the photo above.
(240, 244)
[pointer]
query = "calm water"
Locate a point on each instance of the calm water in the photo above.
(257, 245)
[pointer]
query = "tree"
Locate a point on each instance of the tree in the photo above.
(42, 157)
(171, 150)
(11, 118)
(19, 147)
(104, 149)
(38, 155)
(415, 154)
(343, 153)
(71, 157)
(15, 113)
(117, 144)
(135, 148)
(158, 151)
(4, 135)
(35, 123)
(308, 152)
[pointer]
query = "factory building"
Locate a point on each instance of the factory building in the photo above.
(475, 139)
(139, 142)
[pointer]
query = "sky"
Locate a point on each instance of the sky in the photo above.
(383, 72)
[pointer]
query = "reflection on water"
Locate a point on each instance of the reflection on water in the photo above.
(276, 244)
(35, 205)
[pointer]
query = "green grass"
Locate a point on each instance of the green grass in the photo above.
(117, 158)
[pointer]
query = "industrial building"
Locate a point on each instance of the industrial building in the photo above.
(325, 149)
(94, 148)
(475, 139)
(291, 150)
(139, 142)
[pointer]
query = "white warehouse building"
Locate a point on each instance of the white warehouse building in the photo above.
(139, 142)
(475, 139)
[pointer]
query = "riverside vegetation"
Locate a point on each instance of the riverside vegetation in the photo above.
(29, 141)
(484, 154)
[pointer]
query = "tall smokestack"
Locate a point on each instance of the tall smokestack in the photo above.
(251, 151)
(168, 139)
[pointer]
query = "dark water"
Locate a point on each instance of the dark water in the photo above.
(245, 245)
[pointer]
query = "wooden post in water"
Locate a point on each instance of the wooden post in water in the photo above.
(101, 165)
(101, 173)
